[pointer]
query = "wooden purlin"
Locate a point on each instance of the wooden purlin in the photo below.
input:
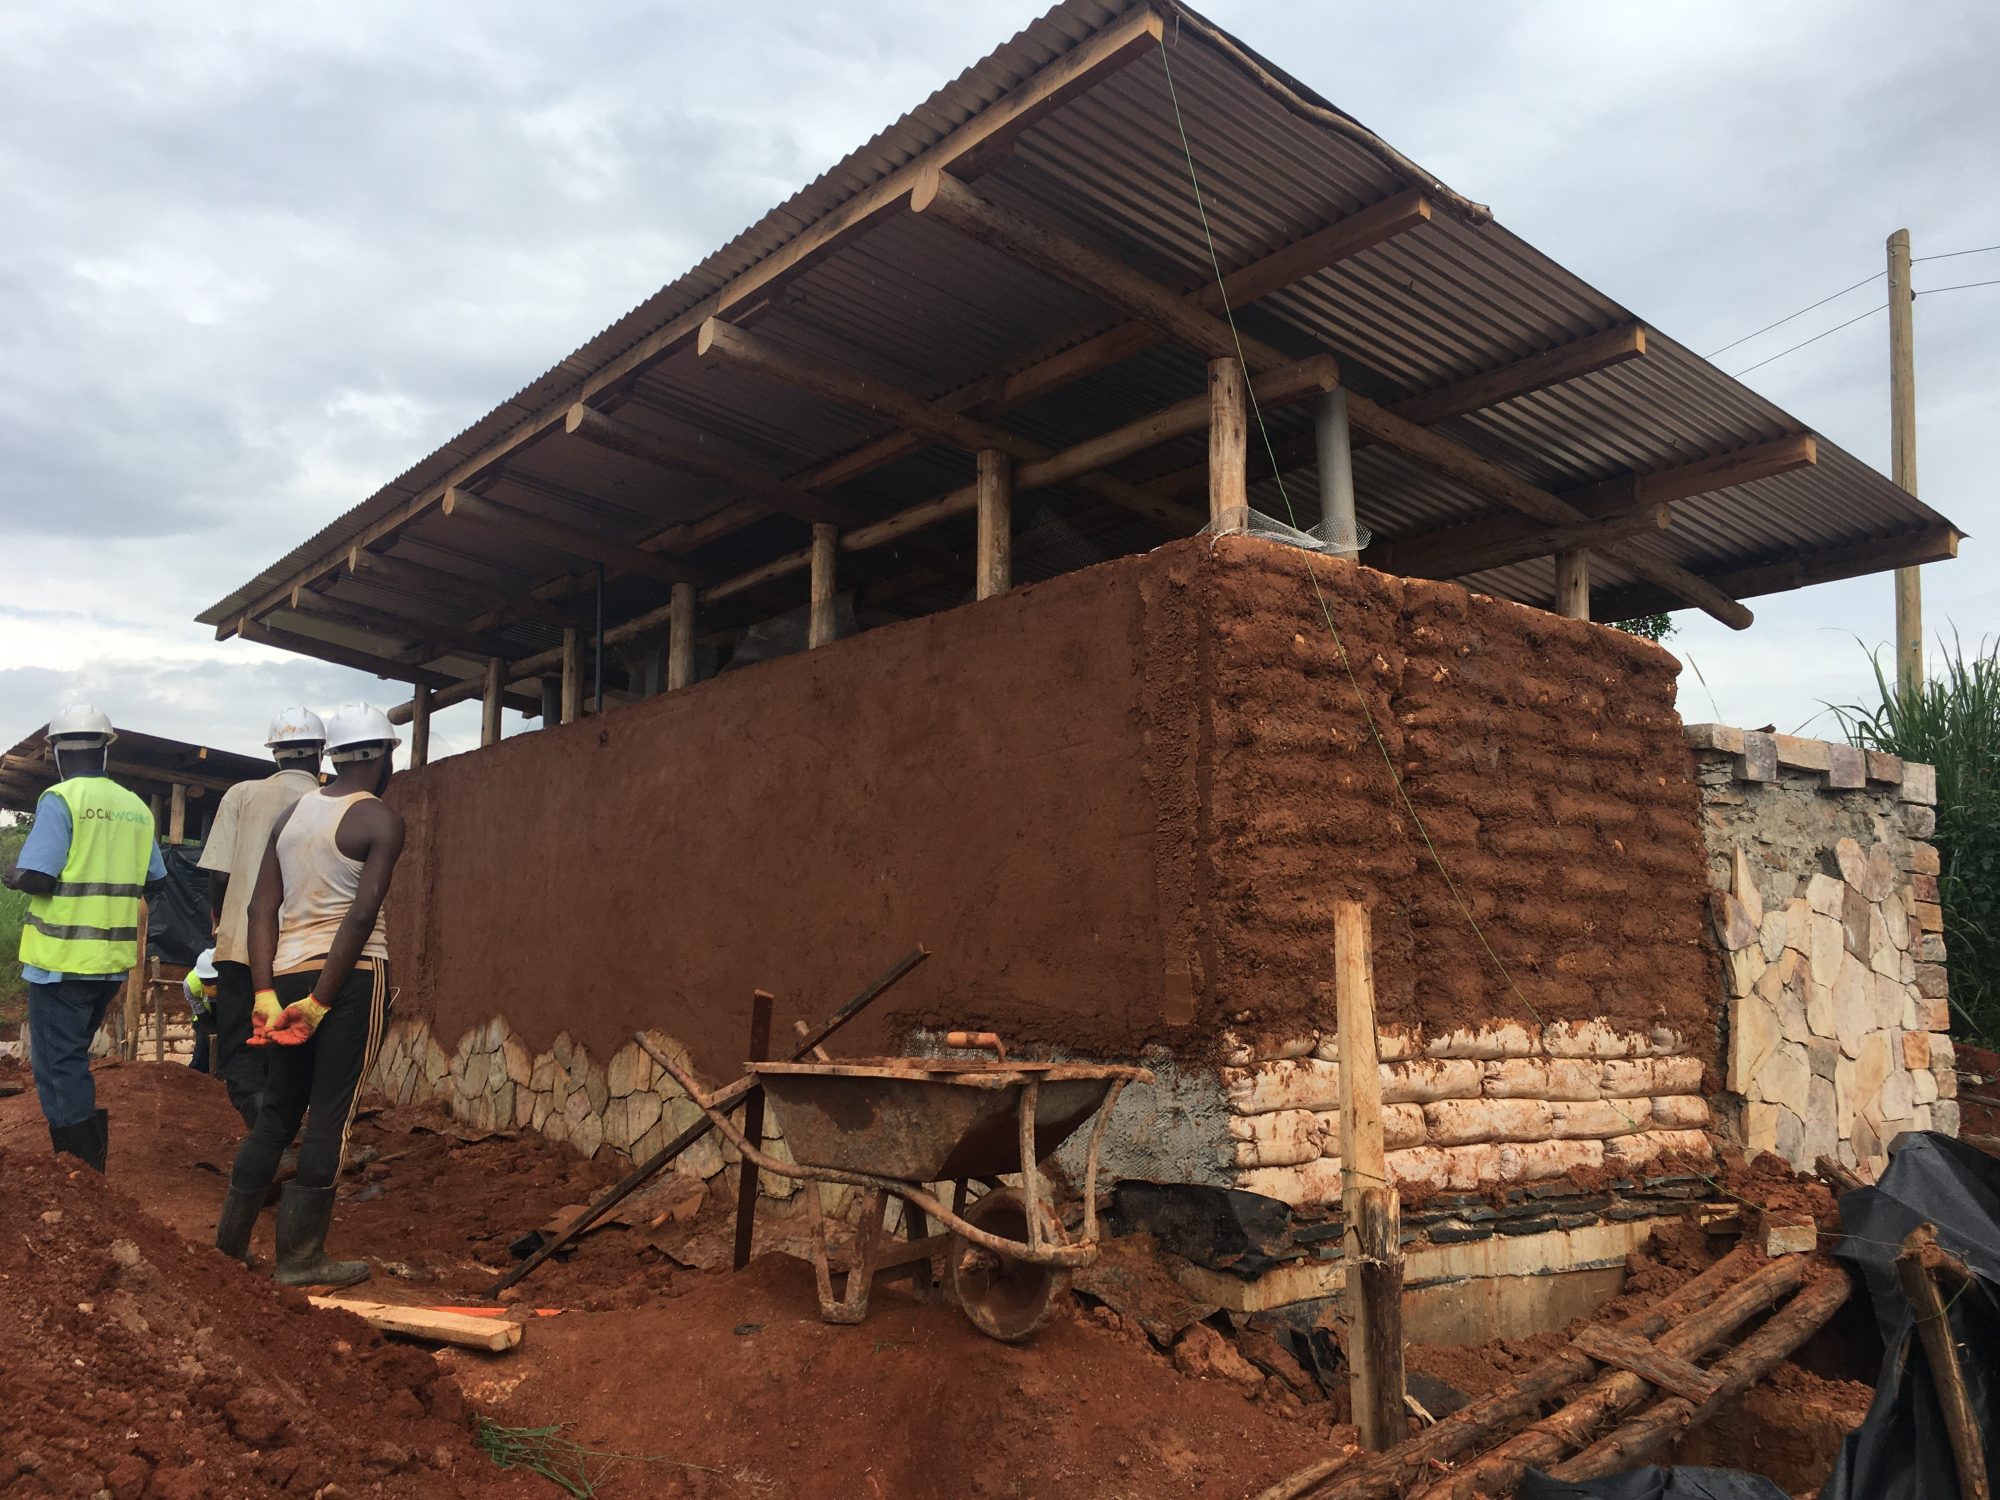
(1124, 41)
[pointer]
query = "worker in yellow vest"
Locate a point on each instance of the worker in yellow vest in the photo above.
(88, 862)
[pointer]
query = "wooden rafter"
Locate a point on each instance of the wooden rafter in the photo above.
(267, 634)
(686, 452)
(1523, 377)
(428, 639)
(574, 540)
(1109, 279)
(438, 583)
(1447, 554)
(1134, 36)
(1909, 549)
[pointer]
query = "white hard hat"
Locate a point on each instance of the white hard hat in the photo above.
(80, 726)
(355, 730)
(295, 726)
(204, 965)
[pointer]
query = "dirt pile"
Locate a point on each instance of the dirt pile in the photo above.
(139, 1366)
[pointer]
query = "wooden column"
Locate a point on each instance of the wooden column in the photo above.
(489, 716)
(159, 811)
(819, 631)
(680, 637)
(1903, 455)
(572, 675)
(995, 571)
(420, 728)
(177, 811)
(1373, 1215)
(753, 1131)
(133, 998)
(1228, 447)
(1573, 584)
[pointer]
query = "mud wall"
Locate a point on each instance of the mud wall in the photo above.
(1118, 807)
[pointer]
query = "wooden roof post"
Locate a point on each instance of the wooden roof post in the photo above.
(1573, 583)
(1903, 457)
(420, 728)
(680, 637)
(996, 523)
(571, 708)
(1228, 447)
(177, 811)
(819, 630)
(489, 717)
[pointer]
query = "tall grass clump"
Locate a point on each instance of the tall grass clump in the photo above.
(1953, 723)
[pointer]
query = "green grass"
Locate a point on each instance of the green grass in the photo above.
(1953, 723)
(13, 908)
(572, 1468)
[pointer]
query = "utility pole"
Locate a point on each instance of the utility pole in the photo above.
(1903, 457)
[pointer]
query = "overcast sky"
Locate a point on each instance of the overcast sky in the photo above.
(257, 260)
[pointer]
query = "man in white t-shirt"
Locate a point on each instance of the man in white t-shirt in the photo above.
(233, 856)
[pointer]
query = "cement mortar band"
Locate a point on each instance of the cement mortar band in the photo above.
(1756, 756)
(1472, 1167)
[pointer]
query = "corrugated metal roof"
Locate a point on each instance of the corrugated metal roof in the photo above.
(931, 311)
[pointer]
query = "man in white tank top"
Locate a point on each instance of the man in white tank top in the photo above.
(319, 959)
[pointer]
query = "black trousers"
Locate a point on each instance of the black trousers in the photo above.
(240, 1066)
(315, 1081)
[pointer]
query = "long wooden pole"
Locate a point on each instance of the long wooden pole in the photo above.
(489, 716)
(420, 728)
(995, 567)
(177, 811)
(1228, 446)
(820, 621)
(680, 637)
(1933, 1331)
(1573, 584)
(572, 673)
(1373, 1221)
(753, 1129)
(1903, 455)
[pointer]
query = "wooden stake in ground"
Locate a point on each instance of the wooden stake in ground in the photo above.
(1933, 1330)
(1372, 1243)
(753, 1129)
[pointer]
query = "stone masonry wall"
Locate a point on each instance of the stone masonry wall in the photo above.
(1825, 905)
(1470, 1108)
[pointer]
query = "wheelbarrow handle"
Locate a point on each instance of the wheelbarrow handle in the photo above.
(990, 1040)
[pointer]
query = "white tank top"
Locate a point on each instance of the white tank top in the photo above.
(320, 883)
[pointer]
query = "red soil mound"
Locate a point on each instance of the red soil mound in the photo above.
(139, 1366)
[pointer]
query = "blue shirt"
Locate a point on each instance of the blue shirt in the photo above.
(46, 851)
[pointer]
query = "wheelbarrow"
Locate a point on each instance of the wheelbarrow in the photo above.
(891, 1125)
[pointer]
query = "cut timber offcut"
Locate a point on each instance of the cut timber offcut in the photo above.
(463, 1329)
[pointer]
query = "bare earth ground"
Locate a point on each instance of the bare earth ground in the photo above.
(189, 1376)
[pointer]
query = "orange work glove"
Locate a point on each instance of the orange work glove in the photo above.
(264, 1013)
(298, 1023)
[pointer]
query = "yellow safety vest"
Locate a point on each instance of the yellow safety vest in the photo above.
(90, 923)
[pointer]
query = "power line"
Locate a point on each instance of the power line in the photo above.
(1953, 254)
(1872, 276)
(1813, 340)
(1961, 287)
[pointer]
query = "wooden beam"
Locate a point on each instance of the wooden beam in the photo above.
(1109, 279)
(622, 556)
(1704, 476)
(420, 728)
(686, 452)
(1573, 583)
(489, 715)
(437, 1325)
(1133, 36)
(177, 808)
(993, 571)
(571, 708)
(1910, 549)
(437, 583)
(1066, 362)
(820, 619)
(1579, 357)
(341, 656)
(437, 640)
(1228, 446)
(1496, 543)
(680, 637)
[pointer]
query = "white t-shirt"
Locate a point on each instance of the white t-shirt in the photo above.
(236, 843)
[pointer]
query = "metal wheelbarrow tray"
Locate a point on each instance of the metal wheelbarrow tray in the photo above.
(891, 1125)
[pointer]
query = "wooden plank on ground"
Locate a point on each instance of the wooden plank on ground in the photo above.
(430, 1324)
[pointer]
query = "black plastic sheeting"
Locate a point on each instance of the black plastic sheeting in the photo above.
(1653, 1484)
(1902, 1451)
(177, 927)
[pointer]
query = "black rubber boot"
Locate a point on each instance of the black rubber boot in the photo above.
(304, 1216)
(239, 1217)
(78, 1140)
(100, 1139)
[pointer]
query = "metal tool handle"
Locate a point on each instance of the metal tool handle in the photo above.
(975, 1039)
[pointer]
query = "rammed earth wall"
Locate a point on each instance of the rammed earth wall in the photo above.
(1825, 908)
(1119, 807)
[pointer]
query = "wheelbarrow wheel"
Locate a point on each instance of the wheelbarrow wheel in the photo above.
(1006, 1298)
